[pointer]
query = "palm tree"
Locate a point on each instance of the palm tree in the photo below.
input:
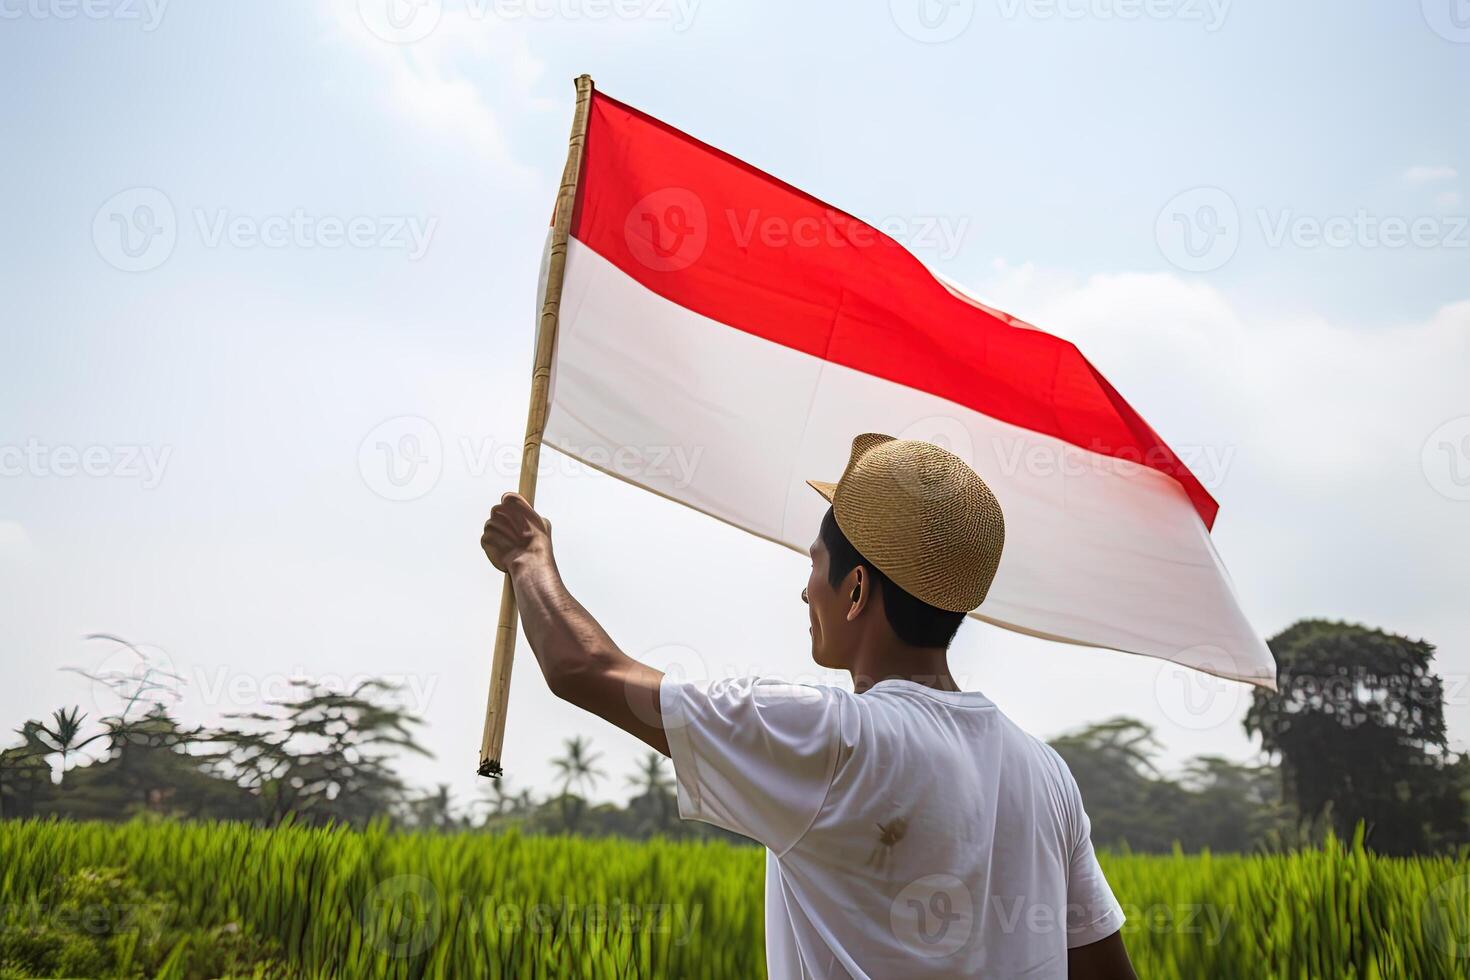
(578, 768)
(497, 801)
(63, 737)
(652, 782)
(435, 811)
(25, 776)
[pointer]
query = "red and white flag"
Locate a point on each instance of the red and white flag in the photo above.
(723, 336)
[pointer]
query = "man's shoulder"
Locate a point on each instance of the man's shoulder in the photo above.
(1039, 749)
(761, 700)
(761, 687)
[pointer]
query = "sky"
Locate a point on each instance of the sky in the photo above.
(246, 244)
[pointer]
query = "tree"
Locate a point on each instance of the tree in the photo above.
(577, 768)
(434, 811)
(652, 806)
(524, 802)
(63, 737)
(1231, 807)
(1128, 801)
(25, 778)
(146, 764)
(498, 800)
(323, 756)
(154, 765)
(1215, 803)
(1358, 726)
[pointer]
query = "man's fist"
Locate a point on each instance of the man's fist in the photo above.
(513, 531)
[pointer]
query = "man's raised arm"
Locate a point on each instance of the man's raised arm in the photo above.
(580, 661)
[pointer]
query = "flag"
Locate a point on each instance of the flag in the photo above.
(723, 336)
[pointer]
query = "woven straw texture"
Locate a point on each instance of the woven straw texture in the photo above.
(922, 516)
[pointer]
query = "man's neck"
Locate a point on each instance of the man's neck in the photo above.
(928, 666)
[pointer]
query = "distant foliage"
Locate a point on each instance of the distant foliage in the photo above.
(1215, 803)
(1356, 735)
(321, 756)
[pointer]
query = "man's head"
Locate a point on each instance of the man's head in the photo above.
(910, 544)
(847, 595)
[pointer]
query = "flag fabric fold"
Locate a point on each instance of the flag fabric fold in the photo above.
(723, 336)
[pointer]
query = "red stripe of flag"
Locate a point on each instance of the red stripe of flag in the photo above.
(725, 240)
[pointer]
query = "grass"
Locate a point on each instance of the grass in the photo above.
(201, 900)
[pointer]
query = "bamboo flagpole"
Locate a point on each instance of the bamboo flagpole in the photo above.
(493, 739)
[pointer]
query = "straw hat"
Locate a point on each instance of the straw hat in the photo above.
(922, 516)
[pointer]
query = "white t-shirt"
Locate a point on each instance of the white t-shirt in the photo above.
(909, 832)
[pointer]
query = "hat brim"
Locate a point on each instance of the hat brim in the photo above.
(823, 488)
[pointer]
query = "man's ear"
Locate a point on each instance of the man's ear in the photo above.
(860, 588)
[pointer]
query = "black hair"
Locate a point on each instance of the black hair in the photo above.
(913, 620)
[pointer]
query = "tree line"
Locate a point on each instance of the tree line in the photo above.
(1356, 734)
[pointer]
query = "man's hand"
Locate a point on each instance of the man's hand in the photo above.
(580, 661)
(515, 531)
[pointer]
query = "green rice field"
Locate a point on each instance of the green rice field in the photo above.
(164, 899)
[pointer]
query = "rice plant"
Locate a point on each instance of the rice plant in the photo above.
(210, 899)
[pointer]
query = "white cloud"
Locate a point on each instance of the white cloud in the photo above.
(15, 543)
(1424, 173)
(428, 85)
(1449, 199)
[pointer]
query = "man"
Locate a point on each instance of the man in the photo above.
(911, 828)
